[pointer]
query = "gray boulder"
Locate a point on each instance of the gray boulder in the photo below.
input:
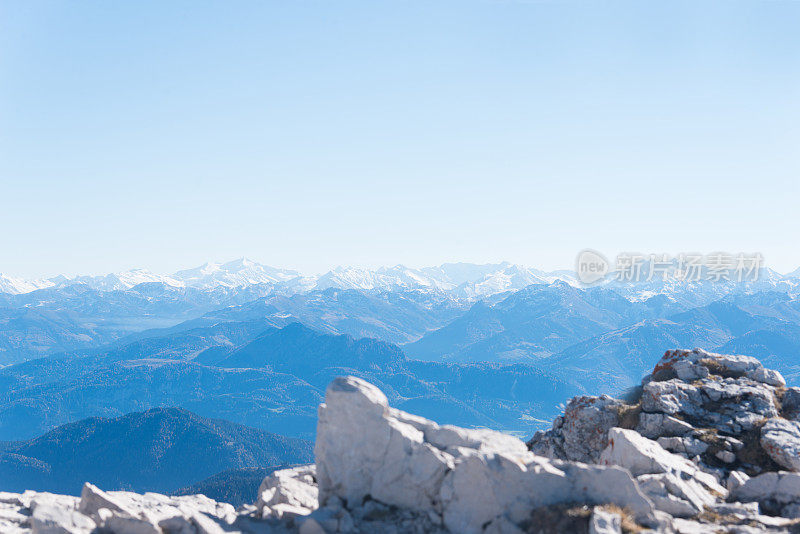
(690, 365)
(581, 434)
(776, 492)
(780, 439)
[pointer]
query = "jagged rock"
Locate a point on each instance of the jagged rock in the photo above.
(364, 448)
(47, 519)
(690, 365)
(295, 487)
(776, 492)
(12, 518)
(642, 456)
(480, 488)
(124, 512)
(728, 404)
(744, 509)
(731, 393)
(582, 432)
(367, 450)
(116, 512)
(669, 495)
(655, 425)
(93, 500)
(688, 445)
(780, 439)
(674, 484)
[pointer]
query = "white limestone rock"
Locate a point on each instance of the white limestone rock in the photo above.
(13, 517)
(483, 487)
(642, 456)
(48, 519)
(674, 484)
(125, 512)
(54, 514)
(93, 500)
(295, 487)
(674, 496)
(33, 500)
(366, 450)
(780, 439)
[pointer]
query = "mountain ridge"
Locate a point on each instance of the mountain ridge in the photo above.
(160, 449)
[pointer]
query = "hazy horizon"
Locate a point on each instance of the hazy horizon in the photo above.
(287, 267)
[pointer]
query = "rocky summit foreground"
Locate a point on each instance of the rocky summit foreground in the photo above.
(709, 443)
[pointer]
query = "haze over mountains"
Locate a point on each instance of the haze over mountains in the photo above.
(497, 346)
(397, 304)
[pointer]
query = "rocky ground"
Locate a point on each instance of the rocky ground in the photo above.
(709, 443)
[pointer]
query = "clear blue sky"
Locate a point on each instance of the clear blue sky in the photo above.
(315, 133)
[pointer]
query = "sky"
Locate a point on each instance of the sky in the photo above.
(311, 134)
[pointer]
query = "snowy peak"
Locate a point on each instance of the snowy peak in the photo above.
(117, 281)
(109, 282)
(384, 278)
(236, 273)
(463, 279)
(16, 286)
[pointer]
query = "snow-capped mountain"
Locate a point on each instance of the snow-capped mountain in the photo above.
(461, 280)
(508, 277)
(700, 292)
(237, 273)
(465, 280)
(17, 286)
(108, 282)
(384, 278)
(118, 281)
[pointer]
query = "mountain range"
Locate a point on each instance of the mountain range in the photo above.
(224, 351)
(397, 304)
(468, 280)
